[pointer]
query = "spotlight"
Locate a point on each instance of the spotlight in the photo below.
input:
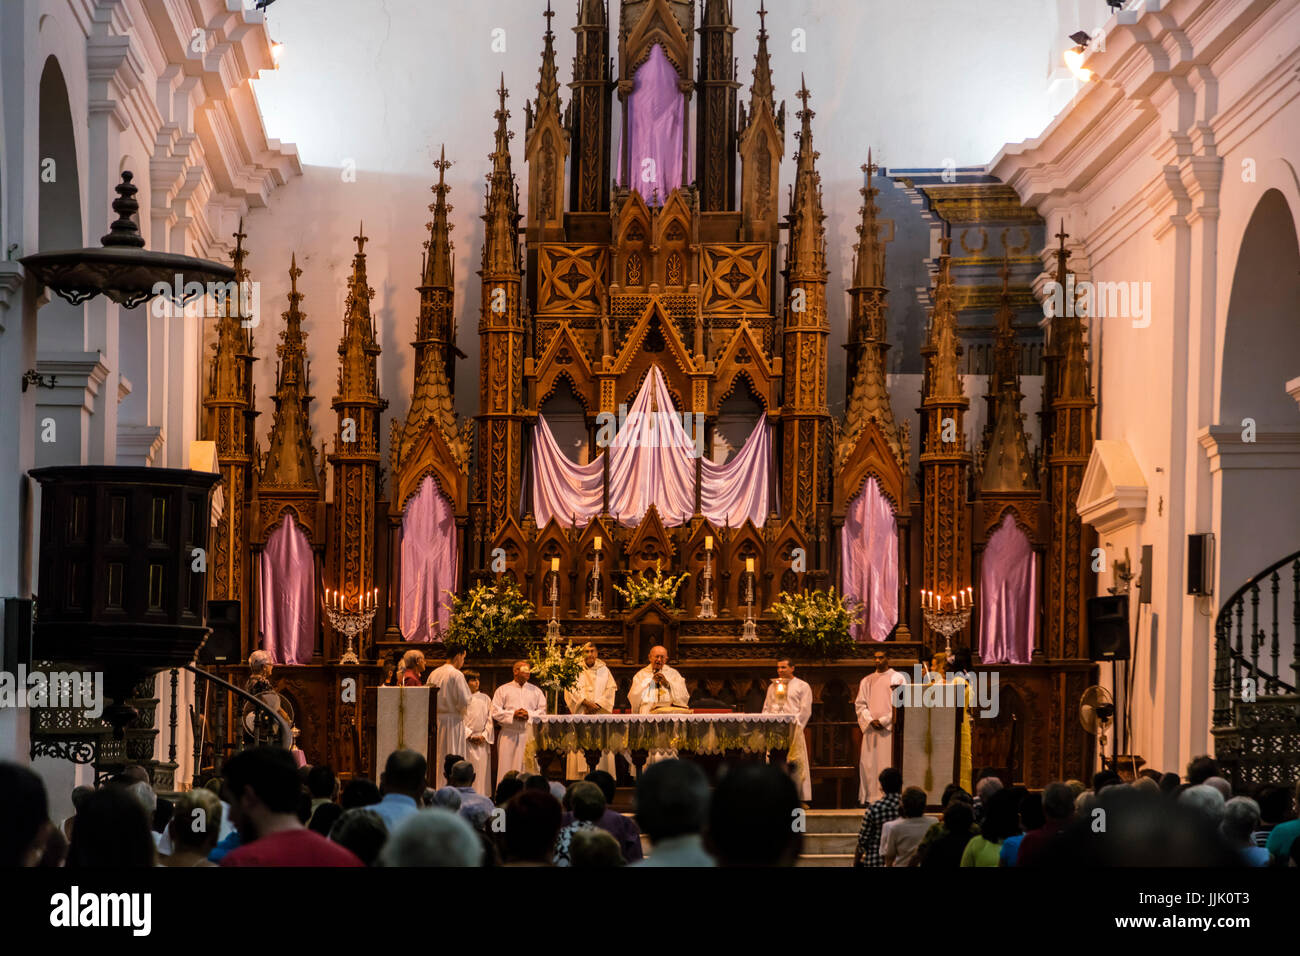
(1081, 37)
(1115, 4)
(262, 4)
(1074, 56)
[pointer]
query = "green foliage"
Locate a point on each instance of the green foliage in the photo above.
(491, 620)
(643, 588)
(815, 624)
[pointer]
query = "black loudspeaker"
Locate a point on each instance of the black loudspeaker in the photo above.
(1108, 627)
(1144, 584)
(222, 646)
(18, 633)
(1200, 563)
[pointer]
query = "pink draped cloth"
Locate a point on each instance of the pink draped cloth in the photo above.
(869, 557)
(1008, 596)
(655, 113)
(429, 552)
(287, 595)
(651, 461)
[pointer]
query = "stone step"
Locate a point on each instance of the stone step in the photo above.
(833, 821)
(825, 859)
(833, 843)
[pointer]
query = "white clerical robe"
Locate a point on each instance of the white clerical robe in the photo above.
(511, 733)
(798, 700)
(876, 702)
(645, 694)
(595, 684)
(478, 723)
(453, 701)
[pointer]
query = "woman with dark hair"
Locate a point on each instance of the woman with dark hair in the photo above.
(1031, 818)
(958, 829)
(1001, 820)
(111, 830)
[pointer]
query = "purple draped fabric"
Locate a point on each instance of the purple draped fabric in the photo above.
(429, 551)
(869, 556)
(287, 592)
(651, 461)
(1008, 596)
(655, 111)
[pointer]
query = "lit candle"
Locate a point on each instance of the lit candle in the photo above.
(749, 565)
(376, 597)
(597, 542)
(970, 597)
(708, 542)
(555, 564)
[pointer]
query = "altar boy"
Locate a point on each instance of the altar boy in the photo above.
(479, 734)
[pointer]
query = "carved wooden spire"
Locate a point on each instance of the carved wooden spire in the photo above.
(435, 330)
(807, 255)
(868, 397)
(804, 415)
(546, 149)
(942, 348)
(290, 461)
(501, 236)
(590, 110)
(762, 146)
(715, 138)
(358, 348)
(228, 417)
(1007, 463)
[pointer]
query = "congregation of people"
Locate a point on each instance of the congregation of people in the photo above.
(1153, 819)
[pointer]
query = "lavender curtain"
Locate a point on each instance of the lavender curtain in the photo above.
(1008, 596)
(869, 557)
(651, 461)
(654, 123)
(287, 595)
(429, 550)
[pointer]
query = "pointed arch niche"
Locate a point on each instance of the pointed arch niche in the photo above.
(429, 554)
(287, 602)
(869, 561)
(1008, 589)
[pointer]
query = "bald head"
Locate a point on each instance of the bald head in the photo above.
(658, 657)
(522, 671)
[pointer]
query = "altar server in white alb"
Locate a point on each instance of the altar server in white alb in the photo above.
(593, 694)
(453, 701)
(875, 707)
(791, 695)
(513, 706)
(479, 735)
(657, 684)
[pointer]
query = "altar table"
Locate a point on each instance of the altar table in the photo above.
(661, 734)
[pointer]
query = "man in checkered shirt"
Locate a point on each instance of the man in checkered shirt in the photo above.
(878, 814)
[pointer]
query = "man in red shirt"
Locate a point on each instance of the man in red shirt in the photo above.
(261, 786)
(1058, 809)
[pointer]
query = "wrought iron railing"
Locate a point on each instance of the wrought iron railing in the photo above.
(1239, 674)
(222, 705)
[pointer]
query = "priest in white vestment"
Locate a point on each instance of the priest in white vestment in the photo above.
(453, 701)
(593, 694)
(657, 685)
(791, 695)
(513, 705)
(875, 707)
(479, 735)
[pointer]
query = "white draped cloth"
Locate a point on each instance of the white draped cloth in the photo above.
(478, 723)
(875, 701)
(453, 701)
(597, 685)
(512, 733)
(797, 700)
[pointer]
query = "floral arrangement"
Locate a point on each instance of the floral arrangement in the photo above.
(815, 623)
(492, 619)
(643, 588)
(556, 666)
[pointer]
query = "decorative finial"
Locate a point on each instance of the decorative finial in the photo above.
(762, 19)
(360, 239)
(548, 14)
(294, 272)
(123, 231)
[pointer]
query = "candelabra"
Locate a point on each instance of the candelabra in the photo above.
(350, 621)
(706, 602)
(553, 626)
(594, 608)
(947, 614)
(750, 633)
